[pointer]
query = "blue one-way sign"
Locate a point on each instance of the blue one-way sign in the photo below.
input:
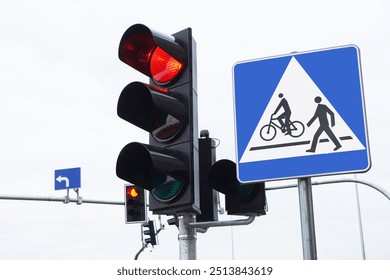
(300, 115)
(69, 178)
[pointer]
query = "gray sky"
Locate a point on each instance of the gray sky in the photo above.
(60, 83)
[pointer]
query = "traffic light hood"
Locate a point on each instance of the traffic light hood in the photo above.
(154, 54)
(241, 199)
(152, 109)
(148, 166)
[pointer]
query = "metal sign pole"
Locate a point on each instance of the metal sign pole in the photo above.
(307, 219)
(187, 237)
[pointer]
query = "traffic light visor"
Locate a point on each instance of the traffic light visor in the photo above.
(153, 54)
(223, 178)
(240, 199)
(152, 109)
(151, 167)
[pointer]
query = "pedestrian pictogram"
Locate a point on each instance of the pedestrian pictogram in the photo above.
(321, 114)
(300, 114)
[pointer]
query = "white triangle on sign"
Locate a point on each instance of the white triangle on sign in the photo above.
(300, 91)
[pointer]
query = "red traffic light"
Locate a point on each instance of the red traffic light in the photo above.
(153, 54)
(166, 108)
(135, 204)
(163, 67)
(132, 192)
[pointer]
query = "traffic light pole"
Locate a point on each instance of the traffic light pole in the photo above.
(307, 219)
(187, 237)
(188, 228)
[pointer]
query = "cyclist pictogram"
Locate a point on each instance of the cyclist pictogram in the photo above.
(268, 131)
(285, 125)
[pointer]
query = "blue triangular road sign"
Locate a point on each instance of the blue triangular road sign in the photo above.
(300, 115)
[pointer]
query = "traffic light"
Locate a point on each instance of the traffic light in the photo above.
(166, 108)
(208, 196)
(151, 231)
(240, 199)
(135, 204)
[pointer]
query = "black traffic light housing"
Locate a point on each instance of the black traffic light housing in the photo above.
(167, 108)
(240, 199)
(208, 196)
(135, 204)
(150, 231)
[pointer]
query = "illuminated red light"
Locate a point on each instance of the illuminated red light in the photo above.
(163, 67)
(133, 193)
(140, 51)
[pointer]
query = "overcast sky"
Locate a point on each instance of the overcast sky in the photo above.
(60, 83)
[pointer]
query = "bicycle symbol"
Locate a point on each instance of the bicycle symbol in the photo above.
(268, 131)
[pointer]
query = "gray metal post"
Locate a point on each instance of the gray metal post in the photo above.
(307, 219)
(360, 224)
(187, 237)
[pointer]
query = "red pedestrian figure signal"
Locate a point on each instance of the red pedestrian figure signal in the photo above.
(132, 192)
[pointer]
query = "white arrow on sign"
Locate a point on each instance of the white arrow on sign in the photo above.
(60, 179)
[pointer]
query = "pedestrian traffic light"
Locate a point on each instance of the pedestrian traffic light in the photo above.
(208, 196)
(240, 199)
(166, 108)
(135, 204)
(150, 231)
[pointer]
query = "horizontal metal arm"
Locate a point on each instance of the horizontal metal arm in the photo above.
(59, 199)
(335, 181)
(240, 222)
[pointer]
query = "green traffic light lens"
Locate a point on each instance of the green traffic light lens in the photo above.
(167, 190)
(241, 192)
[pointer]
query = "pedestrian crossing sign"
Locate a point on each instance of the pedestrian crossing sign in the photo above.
(300, 115)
